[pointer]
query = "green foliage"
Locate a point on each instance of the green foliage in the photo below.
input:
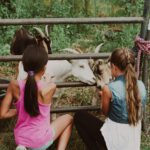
(83, 36)
(134, 7)
(60, 38)
(61, 9)
(83, 96)
(31, 9)
(86, 37)
(121, 38)
(5, 50)
(7, 8)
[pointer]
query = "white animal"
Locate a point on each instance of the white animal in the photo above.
(56, 70)
(59, 70)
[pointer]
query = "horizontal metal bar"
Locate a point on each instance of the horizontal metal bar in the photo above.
(59, 56)
(74, 109)
(102, 20)
(59, 85)
(72, 84)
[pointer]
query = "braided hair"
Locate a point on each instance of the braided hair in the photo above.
(124, 59)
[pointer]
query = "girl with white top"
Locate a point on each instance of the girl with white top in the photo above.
(123, 101)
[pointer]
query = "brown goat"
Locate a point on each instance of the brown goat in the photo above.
(23, 38)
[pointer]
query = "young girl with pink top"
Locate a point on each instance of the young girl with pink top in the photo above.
(32, 98)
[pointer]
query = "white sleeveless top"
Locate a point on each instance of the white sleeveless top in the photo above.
(119, 136)
(117, 132)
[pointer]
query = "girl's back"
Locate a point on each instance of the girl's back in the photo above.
(32, 131)
(118, 111)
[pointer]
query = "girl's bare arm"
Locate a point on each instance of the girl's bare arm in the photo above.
(5, 111)
(106, 98)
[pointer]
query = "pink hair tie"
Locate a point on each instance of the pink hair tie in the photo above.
(31, 73)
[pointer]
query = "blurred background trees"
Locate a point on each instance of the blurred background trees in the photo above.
(85, 37)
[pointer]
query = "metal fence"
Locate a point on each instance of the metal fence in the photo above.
(109, 20)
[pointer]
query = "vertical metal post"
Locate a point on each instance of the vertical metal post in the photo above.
(143, 31)
(144, 60)
(145, 80)
(146, 14)
(144, 26)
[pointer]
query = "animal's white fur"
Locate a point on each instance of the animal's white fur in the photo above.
(59, 70)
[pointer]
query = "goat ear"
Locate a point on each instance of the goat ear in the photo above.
(107, 60)
(70, 61)
(97, 49)
(91, 62)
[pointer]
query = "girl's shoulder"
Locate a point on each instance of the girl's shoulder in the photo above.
(14, 84)
(48, 89)
(46, 93)
(15, 89)
(48, 86)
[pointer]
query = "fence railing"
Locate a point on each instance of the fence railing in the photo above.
(109, 20)
(39, 21)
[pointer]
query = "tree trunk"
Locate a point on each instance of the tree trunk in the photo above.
(78, 7)
(90, 7)
(48, 3)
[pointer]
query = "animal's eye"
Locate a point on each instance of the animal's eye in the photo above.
(52, 76)
(81, 66)
(100, 62)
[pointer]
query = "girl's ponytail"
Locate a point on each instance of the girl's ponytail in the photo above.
(124, 59)
(34, 60)
(132, 95)
(30, 96)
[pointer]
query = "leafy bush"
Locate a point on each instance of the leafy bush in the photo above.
(67, 35)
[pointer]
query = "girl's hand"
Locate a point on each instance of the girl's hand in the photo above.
(106, 98)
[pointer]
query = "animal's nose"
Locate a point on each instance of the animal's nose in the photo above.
(99, 86)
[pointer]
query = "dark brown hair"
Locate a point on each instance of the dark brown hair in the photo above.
(124, 59)
(34, 60)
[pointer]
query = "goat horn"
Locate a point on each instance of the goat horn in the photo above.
(97, 49)
(47, 30)
(39, 31)
(79, 50)
(71, 50)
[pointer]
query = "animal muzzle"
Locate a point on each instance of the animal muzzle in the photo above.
(91, 81)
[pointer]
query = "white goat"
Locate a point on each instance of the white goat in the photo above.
(56, 70)
(59, 70)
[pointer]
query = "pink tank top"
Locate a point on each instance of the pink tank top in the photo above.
(32, 132)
